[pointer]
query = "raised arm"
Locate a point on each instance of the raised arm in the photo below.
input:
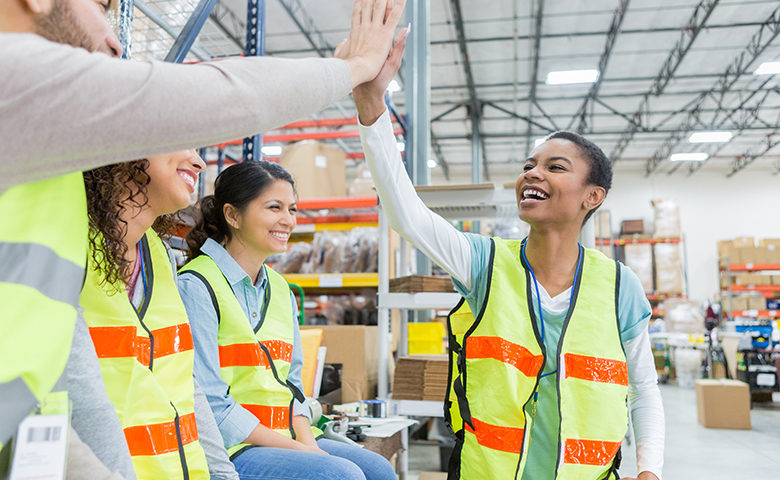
(406, 213)
(65, 109)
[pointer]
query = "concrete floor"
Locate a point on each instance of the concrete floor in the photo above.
(692, 451)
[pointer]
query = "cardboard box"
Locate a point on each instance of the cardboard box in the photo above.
(775, 279)
(748, 254)
(433, 476)
(739, 302)
(639, 258)
(318, 169)
(363, 184)
(668, 268)
(632, 226)
(744, 241)
(723, 403)
(355, 347)
(765, 242)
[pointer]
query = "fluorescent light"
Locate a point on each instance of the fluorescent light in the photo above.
(689, 157)
(539, 141)
(432, 163)
(566, 77)
(710, 137)
(401, 146)
(272, 150)
(394, 87)
(768, 68)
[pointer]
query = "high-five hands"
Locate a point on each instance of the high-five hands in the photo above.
(369, 96)
(370, 37)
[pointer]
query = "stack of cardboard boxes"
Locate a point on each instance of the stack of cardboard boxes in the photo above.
(760, 254)
(746, 250)
(421, 377)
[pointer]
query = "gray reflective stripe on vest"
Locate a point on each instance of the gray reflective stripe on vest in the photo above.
(16, 402)
(39, 267)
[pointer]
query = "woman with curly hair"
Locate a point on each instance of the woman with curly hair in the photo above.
(138, 323)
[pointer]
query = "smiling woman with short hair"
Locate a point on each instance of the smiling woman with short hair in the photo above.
(550, 339)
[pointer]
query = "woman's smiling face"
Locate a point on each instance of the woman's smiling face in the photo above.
(553, 187)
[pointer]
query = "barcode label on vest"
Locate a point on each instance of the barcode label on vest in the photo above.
(40, 447)
(44, 434)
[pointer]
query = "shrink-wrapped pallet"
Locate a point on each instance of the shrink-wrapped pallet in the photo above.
(666, 219)
(639, 258)
(668, 269)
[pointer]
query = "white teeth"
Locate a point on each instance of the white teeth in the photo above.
(187, 178)
(281, 236)
(533, 193)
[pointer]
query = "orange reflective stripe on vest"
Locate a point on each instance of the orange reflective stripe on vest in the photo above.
(590, 452)
(596, 369)
(250, 354)
(505, 351)
(275, 418)
(160, 437)
(117, 342)
(497, 437)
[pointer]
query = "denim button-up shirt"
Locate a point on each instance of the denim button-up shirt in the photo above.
(235, 423)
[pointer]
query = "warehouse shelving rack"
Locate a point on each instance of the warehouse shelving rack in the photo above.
(727, 271)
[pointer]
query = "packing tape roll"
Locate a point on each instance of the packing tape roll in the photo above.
(315, 409)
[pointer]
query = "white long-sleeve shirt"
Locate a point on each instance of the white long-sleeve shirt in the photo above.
(449, 248)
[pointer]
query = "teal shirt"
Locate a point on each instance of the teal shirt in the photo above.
(634, 315)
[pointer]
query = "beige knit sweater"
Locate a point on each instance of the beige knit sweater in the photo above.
(63, 109)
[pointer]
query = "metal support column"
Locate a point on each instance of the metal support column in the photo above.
(202, 175)
(418, 91)
(476, 160)
(181, 47)
(383, 314)
(255, 47)
(125, 26)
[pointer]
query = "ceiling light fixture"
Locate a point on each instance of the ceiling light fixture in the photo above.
(689, 157)
(272, 150)
(710, 137)
(768, 68)
(432, 163)
(567, 77)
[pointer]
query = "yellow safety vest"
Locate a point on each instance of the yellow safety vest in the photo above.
(43, 250)
(255, 363)
(146, 359)
(496, 362)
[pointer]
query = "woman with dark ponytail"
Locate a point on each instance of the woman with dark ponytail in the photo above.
(248, 355)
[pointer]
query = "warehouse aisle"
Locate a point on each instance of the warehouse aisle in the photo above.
(692, 451)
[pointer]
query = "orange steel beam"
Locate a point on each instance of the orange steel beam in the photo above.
(356, 218)
(295, 137)
(337, 202)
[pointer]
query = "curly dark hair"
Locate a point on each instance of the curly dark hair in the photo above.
(110, 190)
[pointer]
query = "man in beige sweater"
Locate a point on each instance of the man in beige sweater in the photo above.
(68, 104)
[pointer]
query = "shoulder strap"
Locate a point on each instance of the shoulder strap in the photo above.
(208, 287)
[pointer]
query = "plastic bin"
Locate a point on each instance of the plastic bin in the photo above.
(426, 338)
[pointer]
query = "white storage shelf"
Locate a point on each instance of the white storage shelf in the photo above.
(419, 301)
